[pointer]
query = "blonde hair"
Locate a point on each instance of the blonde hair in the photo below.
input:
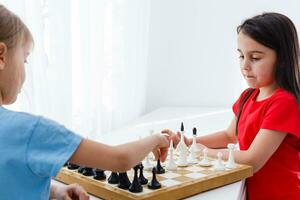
(12, 29)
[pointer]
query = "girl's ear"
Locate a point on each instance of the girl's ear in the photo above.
(3, 54)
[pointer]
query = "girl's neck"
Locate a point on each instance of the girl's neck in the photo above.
(266, 92)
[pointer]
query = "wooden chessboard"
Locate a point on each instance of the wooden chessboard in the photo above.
(178, 184)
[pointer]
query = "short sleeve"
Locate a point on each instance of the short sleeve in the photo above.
(283, 115)
(49, 147)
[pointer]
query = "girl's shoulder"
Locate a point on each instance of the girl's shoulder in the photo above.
(284, 97)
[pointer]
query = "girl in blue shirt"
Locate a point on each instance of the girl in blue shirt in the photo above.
(32, 148)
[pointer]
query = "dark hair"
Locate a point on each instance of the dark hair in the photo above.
(276, 31)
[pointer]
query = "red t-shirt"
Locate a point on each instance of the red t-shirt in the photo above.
(279, 178)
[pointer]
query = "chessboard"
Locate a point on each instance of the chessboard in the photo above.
(176, 184)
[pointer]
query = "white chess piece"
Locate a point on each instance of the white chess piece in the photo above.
(192, 159)
(219, 166)
(147, 164)
(151, 155)
(231, 163)
(182, 151)
(171, 165)
(205, 162)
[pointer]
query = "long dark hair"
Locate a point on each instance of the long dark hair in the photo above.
(276, 31)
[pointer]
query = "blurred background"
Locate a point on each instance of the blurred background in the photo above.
(97, 65)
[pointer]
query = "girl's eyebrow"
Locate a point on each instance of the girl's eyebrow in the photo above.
(254, 51)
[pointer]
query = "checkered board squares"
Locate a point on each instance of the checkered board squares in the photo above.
(177, 184)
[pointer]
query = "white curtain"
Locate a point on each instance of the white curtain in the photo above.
(88, 67)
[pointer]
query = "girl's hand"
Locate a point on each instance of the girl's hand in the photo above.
(161, 150)
(200, 147)
(176, 137)
(172, 136)
(70, 192)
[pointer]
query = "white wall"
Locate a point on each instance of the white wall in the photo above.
(192, 49)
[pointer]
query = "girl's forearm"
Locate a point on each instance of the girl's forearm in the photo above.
(218, 139)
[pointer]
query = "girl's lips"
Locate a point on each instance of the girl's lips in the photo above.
(249, 76)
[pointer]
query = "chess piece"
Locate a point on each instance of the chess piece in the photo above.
(205, 162)
(72, 166)
(230, 163)
(182, 150)
(80, 169)
(99, 174)
(159, 168)
(147, 164)
(154, 184)
(171, 165)
(150, 155)
(136, 186)
(219, 166)
(113, 178)
(192, 159)
(142, 178)
(124, 182)
(87, 171)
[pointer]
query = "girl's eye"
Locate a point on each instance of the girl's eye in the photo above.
(241, 57)
(255, 58)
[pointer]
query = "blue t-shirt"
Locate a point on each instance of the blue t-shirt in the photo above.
(32, 150)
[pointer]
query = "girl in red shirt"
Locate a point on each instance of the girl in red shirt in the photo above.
(267, 115)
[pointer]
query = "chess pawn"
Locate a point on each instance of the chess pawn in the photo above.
(230, 163)
(147, 164)
(88, 171)
(182, 151)
(113, 178)
(99, 174)
(124, 182)
(171, 165)
(72, 166)
(142, 178)
(192, 159)
(150, 155)
(219, 166)
(154, 184)
(136, 186)
(205, 162)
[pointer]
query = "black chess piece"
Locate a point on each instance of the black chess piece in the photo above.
(72, 166)
(113, 178)
(136, 186)
(194, 131)
(99, 174)
(154, 184)
(182, 127)
(142, 178)
(80, 169)
(159, 168)
(124, 182)
(87, 171)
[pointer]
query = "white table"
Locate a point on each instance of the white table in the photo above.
(205, 120)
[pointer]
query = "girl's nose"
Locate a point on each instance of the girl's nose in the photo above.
(245, 65)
